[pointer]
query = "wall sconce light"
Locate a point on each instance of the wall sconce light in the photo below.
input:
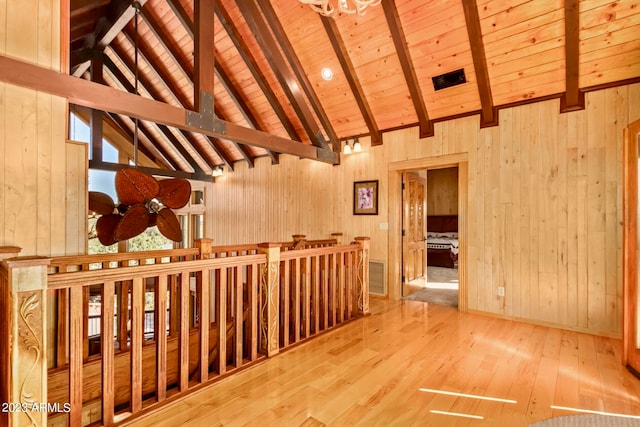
(348, 149)
(217, 171)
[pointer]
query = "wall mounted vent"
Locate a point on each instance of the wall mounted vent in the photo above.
(446, 80)
(377, 278)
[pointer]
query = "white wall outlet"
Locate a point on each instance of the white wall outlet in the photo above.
(384, 226)
(500, 291)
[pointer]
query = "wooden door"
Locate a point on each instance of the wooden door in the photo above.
(631, 330)
(414, 226)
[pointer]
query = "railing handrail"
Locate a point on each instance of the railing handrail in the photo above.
(76, 263)
(119, 257)
(323, 250)
(87, 277)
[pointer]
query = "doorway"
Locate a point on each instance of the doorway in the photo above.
(430, 236)
(395, 255)
(631, 239)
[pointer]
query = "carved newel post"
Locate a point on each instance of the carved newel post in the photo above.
(269, 298)
(23, 359)
(205, 246)
(338, 237)
(362, 285)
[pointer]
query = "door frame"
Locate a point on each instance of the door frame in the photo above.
(394, 272)
(631, 141)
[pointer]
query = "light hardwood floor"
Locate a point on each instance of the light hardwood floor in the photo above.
(369, 373)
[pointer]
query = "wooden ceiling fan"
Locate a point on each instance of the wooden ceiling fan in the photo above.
(143, 202)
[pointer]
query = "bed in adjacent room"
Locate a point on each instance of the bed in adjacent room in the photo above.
(442, 241)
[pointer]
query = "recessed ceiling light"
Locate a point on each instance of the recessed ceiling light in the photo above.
(327, 74)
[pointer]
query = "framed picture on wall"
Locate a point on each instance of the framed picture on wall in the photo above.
(365, 197)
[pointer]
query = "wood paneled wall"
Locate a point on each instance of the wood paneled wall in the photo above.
(442, 191)
(544, 206)
(40, 176)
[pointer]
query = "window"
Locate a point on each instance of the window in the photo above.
(191, 217)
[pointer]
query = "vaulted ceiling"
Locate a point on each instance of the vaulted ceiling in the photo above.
(268, 57)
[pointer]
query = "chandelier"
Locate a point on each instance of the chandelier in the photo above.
(326, 8)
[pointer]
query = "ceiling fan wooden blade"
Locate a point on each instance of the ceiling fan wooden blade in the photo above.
(169, 225)
(153, 219)
(100, 203)
(135, 187)
(174, 193)
(134, 222)
(105, 228)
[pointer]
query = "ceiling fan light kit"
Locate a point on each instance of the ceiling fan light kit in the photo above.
(326, 7)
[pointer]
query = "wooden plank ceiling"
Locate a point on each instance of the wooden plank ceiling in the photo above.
(269, 56)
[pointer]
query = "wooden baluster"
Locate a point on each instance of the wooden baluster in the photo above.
(161, 337)
(184, 332)
(239, 317)
(76, 344)
(334, 288)
(107, 352)
(296, 300)
(174, 308)
(204, 287)
(253, 313)
(123, 315)
(307, 296)
(286, 302)
(325, 291)
(341, 287)
(62, 327)
(349, 285)
(316, 293)
(85, 322)
(137, 330)
(221, 319)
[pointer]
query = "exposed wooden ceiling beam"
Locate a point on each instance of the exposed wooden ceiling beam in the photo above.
(248, 115)
(151, 171)
(400, 42)
(175, 143)
(204, 56)
(252, 65)
(119, 13)
(172, 50)
(119, 76)
(352, 78)
(488, 114)
(78, 7)
(279, 33)
(182, 15)
(162, 76)
(223, 77)
(169, 46)
(573, 97)
(281, 70)
(93, 95)
(118, 124)
(157, 68)
(144, 82)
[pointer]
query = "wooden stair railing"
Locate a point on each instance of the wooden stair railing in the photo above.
(259, 303)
